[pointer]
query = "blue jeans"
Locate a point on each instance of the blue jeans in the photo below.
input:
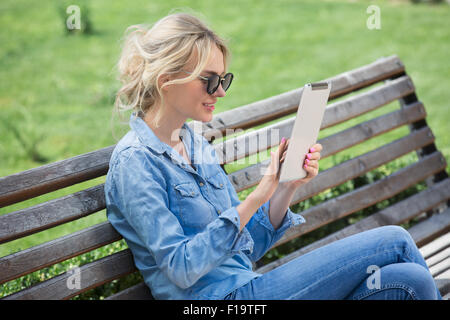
(382, 263)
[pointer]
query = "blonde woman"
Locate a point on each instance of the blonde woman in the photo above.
(190, 236)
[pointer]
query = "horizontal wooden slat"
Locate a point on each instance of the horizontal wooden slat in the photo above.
(251, 175)
(139, 291)
(51, 213)
(438, 257)
(445, 275)
(259, 140)
(92, 275)
(286, 103)
(365, 196)
(438, 224)
(436, 245)
(365, 102)
(381, 69)
(396, 214)
(373, 128)
(440, 267)
(44, 255)
(34, 182)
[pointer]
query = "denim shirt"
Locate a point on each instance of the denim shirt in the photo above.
(180, 222)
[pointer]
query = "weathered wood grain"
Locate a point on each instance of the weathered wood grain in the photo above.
(51, 213)
(92, 275)
(49, 253)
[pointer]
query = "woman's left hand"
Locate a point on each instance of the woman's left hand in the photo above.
(310, 165)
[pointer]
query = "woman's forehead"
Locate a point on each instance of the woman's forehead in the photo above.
(214, 64)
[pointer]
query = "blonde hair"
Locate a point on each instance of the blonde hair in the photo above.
(163, 49)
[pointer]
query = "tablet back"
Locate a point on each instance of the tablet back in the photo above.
(306, 129)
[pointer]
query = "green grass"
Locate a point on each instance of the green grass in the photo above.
(57, 90)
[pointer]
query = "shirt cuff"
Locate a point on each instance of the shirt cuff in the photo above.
(243, 241)
(290, 219)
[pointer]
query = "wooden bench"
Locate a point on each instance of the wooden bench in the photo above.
(355, 92)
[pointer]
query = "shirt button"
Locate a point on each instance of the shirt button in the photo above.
(201, 184)
(192, 193)
(221, 185)
(219, 212)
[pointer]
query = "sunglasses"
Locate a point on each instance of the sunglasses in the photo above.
(215, 80)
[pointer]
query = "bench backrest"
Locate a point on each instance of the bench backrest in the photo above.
(382, 82)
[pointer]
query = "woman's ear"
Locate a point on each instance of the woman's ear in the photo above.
(163, 79)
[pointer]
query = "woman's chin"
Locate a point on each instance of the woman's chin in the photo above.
(205, 118)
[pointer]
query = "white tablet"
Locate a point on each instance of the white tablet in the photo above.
(311, 109)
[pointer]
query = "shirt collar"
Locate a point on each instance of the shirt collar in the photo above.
(148, 137)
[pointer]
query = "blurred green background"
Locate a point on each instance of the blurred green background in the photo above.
(57, 89)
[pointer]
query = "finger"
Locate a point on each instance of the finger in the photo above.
(311, 163)
(313, 156)
(316, 148)
(282, 149)
(281, 146)
(283, 156)
(278, 156)
(284, 145)
(312, 172)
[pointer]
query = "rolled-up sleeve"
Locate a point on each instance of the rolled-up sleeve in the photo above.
(144, 203)
(264, 233)
(261, 229)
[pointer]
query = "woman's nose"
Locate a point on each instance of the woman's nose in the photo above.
(219, 92)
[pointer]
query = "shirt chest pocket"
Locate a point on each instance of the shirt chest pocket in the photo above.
(192, 209)
(219, 189)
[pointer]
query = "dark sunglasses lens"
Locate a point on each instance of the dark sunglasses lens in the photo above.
(213, 83)
(227, 81)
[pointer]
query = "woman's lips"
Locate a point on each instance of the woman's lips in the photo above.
(210, 107)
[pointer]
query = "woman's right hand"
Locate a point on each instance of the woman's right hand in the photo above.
(266, 187)
(271, 177)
